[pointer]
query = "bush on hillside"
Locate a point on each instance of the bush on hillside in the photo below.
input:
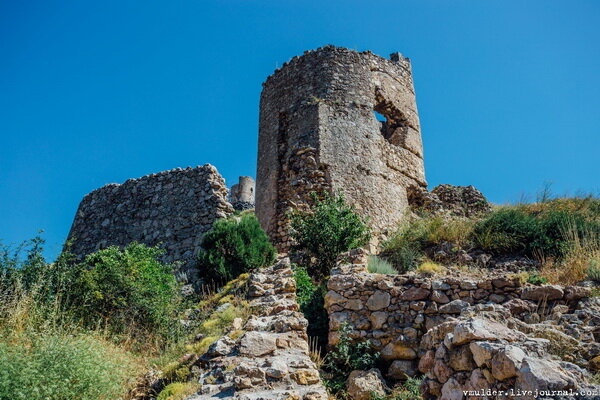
(234, 246)
(405, 249)
(514, 231)
(329, 228)
(128, 289)
(120, 289)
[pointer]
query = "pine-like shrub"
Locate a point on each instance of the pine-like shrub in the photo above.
(234, 246)
(329, 228)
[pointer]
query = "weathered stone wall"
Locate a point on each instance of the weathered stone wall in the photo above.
(271, 359)
(318, 131)
(395, 311)
(174, 208)
(242, 194)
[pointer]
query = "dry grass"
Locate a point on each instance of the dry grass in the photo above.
(315, 352)
(454, 230)
(430, 268)
(581, 262)
(37, 340)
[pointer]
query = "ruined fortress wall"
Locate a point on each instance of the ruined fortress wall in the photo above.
(395, 311)
(318, 131)
(172, 207)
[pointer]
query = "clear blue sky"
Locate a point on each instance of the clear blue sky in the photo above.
(93, 92)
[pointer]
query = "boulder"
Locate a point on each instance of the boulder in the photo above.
(538, 374)
(415, 293)
(398, 351)
(483, 329)
(426, 362)
(454, 307)
(542, 293)
(362, 385)
(402, 369)
(378, 318)
(257, 344)
(461, 359)
(378, 300)
(507, 362)
(221, 347)
(452, 390)
(307, 376)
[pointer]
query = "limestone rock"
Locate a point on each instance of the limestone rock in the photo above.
(257, 344)
(452, 390)
(538, 374)
(306, 376)
(221, 347)
(454, 307)
(507, 362)
(461, 359)
(363, 384)
(378, 300)
(545, 292)
(402, 369)
(398, 351)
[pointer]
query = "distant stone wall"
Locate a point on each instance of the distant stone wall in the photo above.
(319, 131)
(395, 311)
(173, 207)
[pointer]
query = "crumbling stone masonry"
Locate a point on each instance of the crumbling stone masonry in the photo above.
(319, 131)
(174, 208)
(270, 361)
(396, 311)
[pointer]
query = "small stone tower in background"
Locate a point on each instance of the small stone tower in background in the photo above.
(340, 121)
(242, 194)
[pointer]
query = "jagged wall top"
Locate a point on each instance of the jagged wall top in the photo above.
(171, 207)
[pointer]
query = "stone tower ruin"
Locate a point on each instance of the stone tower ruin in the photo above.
(340, 121)
(242, 194)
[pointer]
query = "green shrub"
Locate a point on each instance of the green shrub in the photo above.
(311, 298)
(507, 231)
(346, 356)
(304, 285)
(128, 288)
(234, 246)
(53, 366)
(404, 249)
(25, 267)
(378, 265)
(328, 229)
(536, 279)
(515, 231)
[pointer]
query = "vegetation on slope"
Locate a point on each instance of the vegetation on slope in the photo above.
(90, 330)
(563, 234)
